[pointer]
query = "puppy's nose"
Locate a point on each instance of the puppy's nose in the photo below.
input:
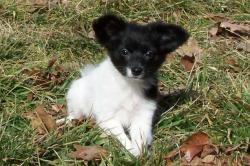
(136, 71)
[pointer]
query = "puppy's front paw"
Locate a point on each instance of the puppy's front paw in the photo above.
(149, 140)
(135, 151)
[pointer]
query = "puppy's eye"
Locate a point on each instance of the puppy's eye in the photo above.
(149, 54)
(124, 52)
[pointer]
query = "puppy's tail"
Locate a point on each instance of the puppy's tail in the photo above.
(86, 70)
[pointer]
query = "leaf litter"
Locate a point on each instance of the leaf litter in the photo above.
(224, 25)
(87, 153)
(54, 74)
(191, 53)
(198, 149)
(41, 121)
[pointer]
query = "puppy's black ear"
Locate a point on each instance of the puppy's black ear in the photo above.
(107, 27)
(168, 37)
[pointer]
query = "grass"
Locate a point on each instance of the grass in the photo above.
(31, 36)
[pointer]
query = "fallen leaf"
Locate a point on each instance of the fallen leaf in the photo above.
(210, 159)
(47, 119)
(36, 123)
(172, 153)
(94, 152)
(57, 107)
(188, 62)
(30, 96)
(191, 49)
(191, 151)
(190, 53)
(213, 31)
(209, 149)
(169, 162)
(192, 146)
(195, 162)
(54, 76)
(236, 28)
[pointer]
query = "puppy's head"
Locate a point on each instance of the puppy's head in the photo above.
(137, 51)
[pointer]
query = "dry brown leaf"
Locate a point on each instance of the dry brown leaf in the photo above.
(209, 149)
(199, 138)
(187, 62)
(191, 53)
(56, 75)
(169, 162)
(213, 31)
(192, 146)
(191, 151)
(47, 119)
(210, 159)
(36, 123)
(236, 28)
(57, 107)
(172, 153)
(94, 152)
(195, 162)
(191, 49)
(30, 96)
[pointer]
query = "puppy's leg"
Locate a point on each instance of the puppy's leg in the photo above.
(141, 136)
(114, 127)
(141, 130)
(79, 102)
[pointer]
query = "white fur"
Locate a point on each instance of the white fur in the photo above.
(129, 72)
(115, 102)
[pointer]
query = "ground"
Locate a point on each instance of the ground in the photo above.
(31, 34)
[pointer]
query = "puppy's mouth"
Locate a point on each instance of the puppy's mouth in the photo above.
(137, 75)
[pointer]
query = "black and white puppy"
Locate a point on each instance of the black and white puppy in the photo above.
(121, 91)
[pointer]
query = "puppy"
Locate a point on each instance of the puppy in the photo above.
(121, 91)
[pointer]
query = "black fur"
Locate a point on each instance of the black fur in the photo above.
(143, 48)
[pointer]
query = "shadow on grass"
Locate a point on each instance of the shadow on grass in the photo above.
(168, 101)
